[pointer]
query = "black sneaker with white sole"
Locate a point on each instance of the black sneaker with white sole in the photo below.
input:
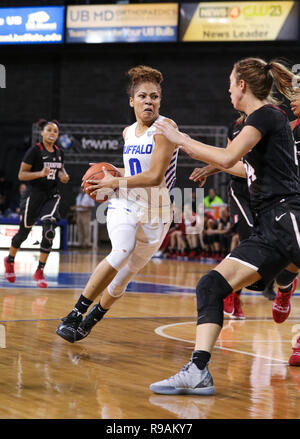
(90, 320)
(67, 328)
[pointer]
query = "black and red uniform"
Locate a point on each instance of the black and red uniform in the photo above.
(274, 187)
(241, 216)
(41, 199)
(296, 133)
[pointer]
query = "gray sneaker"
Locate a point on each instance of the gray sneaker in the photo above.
(188, 381)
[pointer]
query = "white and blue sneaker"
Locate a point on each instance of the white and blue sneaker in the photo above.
(188, 381)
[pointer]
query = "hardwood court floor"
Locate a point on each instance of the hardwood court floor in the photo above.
(147, 336)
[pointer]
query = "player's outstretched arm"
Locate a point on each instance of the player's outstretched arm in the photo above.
(223, 158)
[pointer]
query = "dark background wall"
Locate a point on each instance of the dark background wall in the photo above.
(87, 84)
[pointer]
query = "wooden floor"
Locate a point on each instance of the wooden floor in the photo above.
(146, 337)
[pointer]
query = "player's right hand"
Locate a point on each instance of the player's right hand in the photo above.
(45, 172)
(199, 174)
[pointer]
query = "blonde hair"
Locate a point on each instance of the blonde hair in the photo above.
(140, 74)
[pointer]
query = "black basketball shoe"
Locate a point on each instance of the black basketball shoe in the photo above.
(67, 329)
(90, 320)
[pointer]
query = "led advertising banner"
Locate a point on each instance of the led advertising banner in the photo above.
(32, 25)
(239, 21)
(132, 23)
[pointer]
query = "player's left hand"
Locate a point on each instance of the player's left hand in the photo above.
(64, 178)
(199, 175)
(170, 132)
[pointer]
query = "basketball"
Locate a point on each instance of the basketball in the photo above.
(95, 172)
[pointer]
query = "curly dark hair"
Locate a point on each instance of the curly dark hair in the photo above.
(140, 74)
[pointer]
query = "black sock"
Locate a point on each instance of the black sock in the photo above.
(287, 289)
(82, 304)
(99, 312)
(41, 265)
(270, 286)
(10, 259)
(200, 358)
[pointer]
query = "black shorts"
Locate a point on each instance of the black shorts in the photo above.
(274, 242)
(242, 229)
(39, 205)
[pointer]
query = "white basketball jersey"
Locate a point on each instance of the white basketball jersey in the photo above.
(137, 155)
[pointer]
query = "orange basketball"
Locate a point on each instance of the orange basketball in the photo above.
(95, 172)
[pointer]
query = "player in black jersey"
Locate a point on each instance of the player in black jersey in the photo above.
(295, 124)
(241, 219)
(264, 152)
(294, 359)
(42, 167)
(241, 215)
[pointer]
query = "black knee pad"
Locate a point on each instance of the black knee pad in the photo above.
(211, 290)
(48, 225)
(285, 277)
(260, 285)
(20, 236)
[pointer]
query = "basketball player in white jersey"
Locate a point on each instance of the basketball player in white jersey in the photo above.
(139, 216)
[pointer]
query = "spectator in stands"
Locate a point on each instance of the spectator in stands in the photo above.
(212, 199)
(177, 240)
(15, 204)
(191, 230)
(166, 249)
(83, 208)
(207, 236)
